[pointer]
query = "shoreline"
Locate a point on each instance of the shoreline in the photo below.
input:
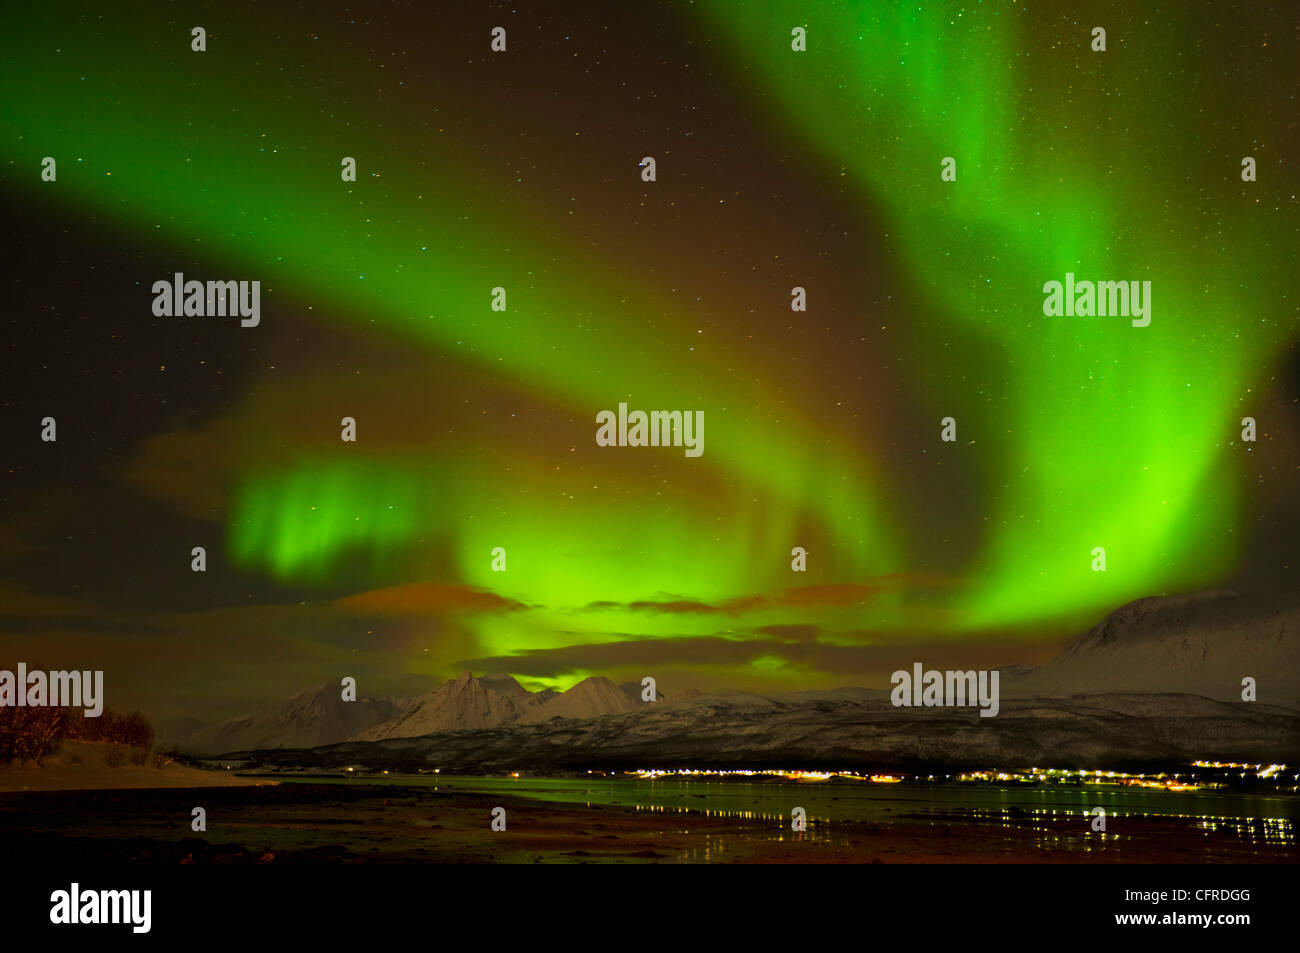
(295, 823)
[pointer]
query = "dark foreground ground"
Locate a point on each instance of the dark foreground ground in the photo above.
(332, 823)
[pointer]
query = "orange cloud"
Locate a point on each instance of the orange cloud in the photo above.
(423, 598)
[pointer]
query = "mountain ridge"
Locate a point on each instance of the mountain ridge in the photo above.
(313, 716)
(1199, 644)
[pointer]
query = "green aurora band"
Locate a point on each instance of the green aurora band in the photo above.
(1113, 436)
(1127, 427)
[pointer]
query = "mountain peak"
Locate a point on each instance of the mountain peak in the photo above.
(505, 684)
(593, 683)
(311, 717)
(590, 698)
(1200, 643)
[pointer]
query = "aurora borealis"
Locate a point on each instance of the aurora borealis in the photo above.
(519, 170)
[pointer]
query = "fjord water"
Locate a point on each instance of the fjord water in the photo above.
(867, 802)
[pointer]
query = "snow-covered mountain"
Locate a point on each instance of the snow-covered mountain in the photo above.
(316, 716)
(1157, 678)
(1114, 731)
(465, 702)
(469, 703)
(1203, 643)
(319, 716)
(590, 698)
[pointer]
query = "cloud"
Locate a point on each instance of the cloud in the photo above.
(715, 659)
(671, 607)
(827, 595)
(552, 663)
(423, 598)
(790, 633)
(839, 594)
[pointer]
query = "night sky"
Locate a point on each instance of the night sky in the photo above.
(475, 427)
